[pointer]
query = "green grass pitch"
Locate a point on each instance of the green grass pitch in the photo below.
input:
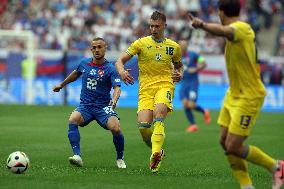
(193, 161)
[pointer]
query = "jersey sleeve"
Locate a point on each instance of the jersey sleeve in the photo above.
(80, 67)
(134, 48)
(115, 78)
(239, 31)
(177, 54)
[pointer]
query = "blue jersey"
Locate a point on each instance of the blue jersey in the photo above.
(97, 81)
(190, 60)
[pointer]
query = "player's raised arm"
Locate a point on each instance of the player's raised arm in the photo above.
(72, 77)
(124, 74)
(216, 29)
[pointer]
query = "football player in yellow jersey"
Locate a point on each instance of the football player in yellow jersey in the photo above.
(159, 62)
(244, 98)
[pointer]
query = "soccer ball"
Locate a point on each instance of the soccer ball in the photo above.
(18, 162)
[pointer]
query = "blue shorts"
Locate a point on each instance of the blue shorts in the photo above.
(100, 114)
(188, 92)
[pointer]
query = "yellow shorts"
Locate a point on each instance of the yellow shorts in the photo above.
(163, 92)
(239, 114)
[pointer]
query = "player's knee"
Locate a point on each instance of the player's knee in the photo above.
(73, 121)
(115, 129)
(188, 104)
(160, 111)
(191, 104)
(232, 148)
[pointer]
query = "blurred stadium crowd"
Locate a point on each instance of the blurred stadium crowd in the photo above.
(73, 23)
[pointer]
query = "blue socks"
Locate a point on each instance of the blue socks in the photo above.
(199, 109)
(118, 141)
(74, 138)
(189, 115)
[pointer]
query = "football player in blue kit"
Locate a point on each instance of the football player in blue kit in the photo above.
(193, 63)
(98, 78)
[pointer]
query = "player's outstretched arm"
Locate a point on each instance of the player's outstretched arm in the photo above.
(115, 96)
(72, 77)
(124, 74)
(215, 29)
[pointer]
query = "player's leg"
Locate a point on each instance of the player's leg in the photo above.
(145, 114)
(118, 140)
(158, 137)
(184, 97)
(107, 118)
(193, 95)
(243, 118)
(76, 119)
(237, 164)
(188, 106)
(163, 105)
(255, 155)
(234, 145)
(145, 118)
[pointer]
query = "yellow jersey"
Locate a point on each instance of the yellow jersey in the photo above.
(155, 59)
(242, 66)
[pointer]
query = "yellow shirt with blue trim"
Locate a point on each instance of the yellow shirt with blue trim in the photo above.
(242, 66)
(155, 59)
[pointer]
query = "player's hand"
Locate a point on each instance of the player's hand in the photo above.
(177, 76)
(57, 88)
(195, 22)
(126, 77)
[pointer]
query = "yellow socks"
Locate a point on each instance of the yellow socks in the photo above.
(240, 170)
(146, 133)
(158, 136)
(256, 156)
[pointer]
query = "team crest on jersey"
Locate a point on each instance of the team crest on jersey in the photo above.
(159, 46)
(101, 73)
(93, 72)
(158, 56)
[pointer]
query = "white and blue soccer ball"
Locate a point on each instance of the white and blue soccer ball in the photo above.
(18, 162)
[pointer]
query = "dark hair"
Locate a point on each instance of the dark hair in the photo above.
(158, 16)
(231, 8)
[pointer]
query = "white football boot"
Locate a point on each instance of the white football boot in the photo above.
(76, 160)
(120, 164)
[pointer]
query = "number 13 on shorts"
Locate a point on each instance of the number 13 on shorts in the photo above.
(245, 121)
